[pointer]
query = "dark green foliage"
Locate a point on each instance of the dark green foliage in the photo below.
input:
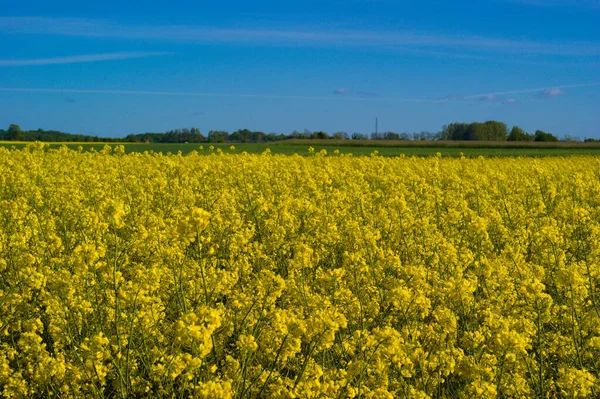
(185, 135)
(476, 131)
(217, 136)
(319, 136)
(543, 136)
(340, 136)
(14, 133)
(455, 131)
(571, 139)
(488, 131)
(518, 134)
(248, 136)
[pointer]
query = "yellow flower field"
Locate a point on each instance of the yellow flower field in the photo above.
(246, 276)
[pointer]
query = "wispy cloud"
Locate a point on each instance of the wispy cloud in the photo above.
(536, 90)
(206, 94)
(552, 92)
(342, 91)
(548, 92)
(441, 44)
(74, 59)
(450, 97)
(488, 98)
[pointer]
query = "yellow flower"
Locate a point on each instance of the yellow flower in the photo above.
(263, 275)
(247, 343)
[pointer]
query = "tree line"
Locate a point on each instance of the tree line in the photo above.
(194, 135)
(495, 131)
(476, 131)
(15, 133)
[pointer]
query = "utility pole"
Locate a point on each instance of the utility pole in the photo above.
(376, 127)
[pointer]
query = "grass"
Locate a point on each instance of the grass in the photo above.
(447, 144)
(361, 147)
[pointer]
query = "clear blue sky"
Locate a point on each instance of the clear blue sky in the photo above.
(273, 65)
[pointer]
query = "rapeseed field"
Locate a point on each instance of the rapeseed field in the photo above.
(323, 276)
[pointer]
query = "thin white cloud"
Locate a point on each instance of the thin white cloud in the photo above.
(203, 94)
(74, 59)
(510, 101)
(450, 97)
(438, 44)
(552, 92)
(536, 90)
(488, 97)
(342, 91)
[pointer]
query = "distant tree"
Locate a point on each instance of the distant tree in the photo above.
(543, 136)
(246, 135)
(488, 131)
(455, 131)
(340, 136)
(359, 136)
(15, 133)
(495, 131)
(436, 136)
(296, 135)
(240, 135)
(319, 136)
(197, 135)
(217, 136)
(391, 136)
(424, 135)
(474, 131)
(257, 137)
(275, 137)
(517, 134)
(569, 138)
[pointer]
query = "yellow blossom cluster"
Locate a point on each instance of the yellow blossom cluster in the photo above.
(319, 276)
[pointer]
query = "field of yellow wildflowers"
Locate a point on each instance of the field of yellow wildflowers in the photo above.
(144, 275)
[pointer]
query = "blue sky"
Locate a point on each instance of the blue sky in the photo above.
(116, 68)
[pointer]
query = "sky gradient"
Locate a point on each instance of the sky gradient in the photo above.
(111, 69)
